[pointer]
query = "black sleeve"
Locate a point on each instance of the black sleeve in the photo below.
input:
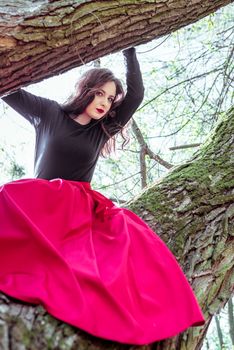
(134, 95)
(33, 108)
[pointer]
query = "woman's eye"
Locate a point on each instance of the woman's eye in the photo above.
(99, 93)
(111, 100)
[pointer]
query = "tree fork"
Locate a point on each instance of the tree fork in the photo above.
(43, 39)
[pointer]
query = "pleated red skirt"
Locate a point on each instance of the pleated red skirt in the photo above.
(91, 264)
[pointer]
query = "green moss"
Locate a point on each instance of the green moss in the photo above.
(213, 291)
(26, 339)
(151, 200)
(19, 332)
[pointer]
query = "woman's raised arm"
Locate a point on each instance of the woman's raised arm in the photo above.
(134, 95)
(31, 107)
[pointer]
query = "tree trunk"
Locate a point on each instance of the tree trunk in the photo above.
(192, 209)
(43, 38)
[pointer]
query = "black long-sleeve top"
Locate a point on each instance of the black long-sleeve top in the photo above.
(64, 148)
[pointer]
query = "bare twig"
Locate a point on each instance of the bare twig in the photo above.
(143, 167)
(199, 76)
(173, 133)
(147, 150)
(155, 47)
(158, 159)
(219, 332)
(184, 146)
(231, 319)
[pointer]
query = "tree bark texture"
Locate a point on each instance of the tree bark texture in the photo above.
(192, 210)
(42, 38)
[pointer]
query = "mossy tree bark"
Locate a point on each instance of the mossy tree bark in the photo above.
(44, 38)
(192, 209)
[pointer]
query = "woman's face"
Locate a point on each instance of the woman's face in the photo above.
(102, 101)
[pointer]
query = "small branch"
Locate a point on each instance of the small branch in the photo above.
(231, 319)
(172, 134)
(143, 167)
(117, 200)
(118, 182)
(219, 331)
(158, 159)
(155, 47)
(143, 146)
(227, 80)
(137, 133)
(97, 63)
(184, 146)
(147, 150)
(199, 76)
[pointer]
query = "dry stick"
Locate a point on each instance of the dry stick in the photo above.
(147, 150)
(231, 320)
(173, 133)
(117, 200)
(158, 159)
(226, 84)
(184, 146)
(155, 47)
(118, 182)
(195, 112)
(143, 167)
(219, 332)
(180, 83)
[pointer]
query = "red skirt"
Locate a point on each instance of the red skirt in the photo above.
(91, 264)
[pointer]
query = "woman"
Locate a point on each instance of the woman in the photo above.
(70, 249)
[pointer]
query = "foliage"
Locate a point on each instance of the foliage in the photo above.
(9, 166)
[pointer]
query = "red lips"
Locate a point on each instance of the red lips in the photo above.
(100, 110)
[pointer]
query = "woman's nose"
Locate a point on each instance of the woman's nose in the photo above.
(104, 102)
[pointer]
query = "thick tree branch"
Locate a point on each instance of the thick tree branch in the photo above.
(192, 209)
(41, 39)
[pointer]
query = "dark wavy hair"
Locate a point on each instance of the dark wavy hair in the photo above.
(84, 94)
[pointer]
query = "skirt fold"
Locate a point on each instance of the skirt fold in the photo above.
(91, 264)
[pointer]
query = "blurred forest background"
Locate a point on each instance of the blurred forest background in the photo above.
(189, 80)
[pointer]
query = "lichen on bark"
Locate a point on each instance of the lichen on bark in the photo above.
(192, 209)
(69, 33)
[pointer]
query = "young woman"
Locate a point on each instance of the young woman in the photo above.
(67, 247)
